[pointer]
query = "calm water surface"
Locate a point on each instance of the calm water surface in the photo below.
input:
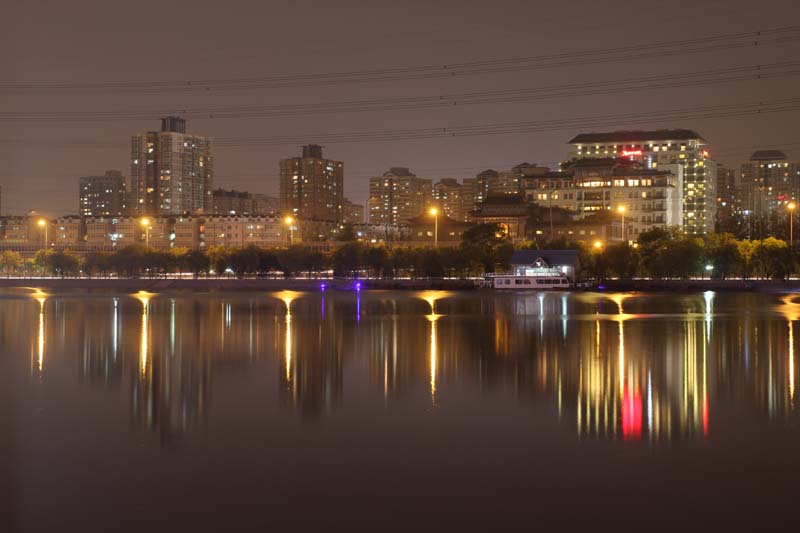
(398, 410)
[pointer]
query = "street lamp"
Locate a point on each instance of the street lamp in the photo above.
(597, 245)
(709, 268)
(43, 224)
(621, 211)
(435, 214)
(289, 221)
(791, 207)
(146, 225)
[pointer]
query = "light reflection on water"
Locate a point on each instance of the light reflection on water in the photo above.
(470, 382)
(625, 373)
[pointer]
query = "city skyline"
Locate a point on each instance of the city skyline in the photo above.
(41, 155)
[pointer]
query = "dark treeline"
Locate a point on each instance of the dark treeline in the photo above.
(658, 254)
(484, 249)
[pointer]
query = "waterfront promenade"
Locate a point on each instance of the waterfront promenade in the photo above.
(310, 284)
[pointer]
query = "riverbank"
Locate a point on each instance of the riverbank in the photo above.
(277, 284)
(233, 284)
(696, 285)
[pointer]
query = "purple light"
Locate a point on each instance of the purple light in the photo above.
(322, 287)
(601, 287)
(358, 287)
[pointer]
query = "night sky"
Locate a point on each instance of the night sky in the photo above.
(82, 41)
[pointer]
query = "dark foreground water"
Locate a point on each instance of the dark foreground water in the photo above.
(398, 410)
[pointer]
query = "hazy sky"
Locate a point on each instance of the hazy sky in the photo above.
(156, 41)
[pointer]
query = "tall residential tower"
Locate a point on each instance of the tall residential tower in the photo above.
(312, 187)
(172, 172)
(103, 196)
(398, 196)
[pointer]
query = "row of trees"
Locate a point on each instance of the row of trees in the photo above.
(662, 254)
(658, 254)
(484, 249)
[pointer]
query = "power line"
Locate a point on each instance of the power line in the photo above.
(570, 90)
(718, 42)
(559, 124)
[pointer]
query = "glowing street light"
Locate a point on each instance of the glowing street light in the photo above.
(435, 214)
(289, 221)
(146, 225)
(621, 211)
(43, 224)
(598, 245)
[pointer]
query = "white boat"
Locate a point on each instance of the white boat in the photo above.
(513, 282)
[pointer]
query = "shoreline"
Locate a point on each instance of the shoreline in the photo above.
(233, 284)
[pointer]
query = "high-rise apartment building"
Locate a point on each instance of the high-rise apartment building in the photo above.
(172, 172)
(768, 181)
(656, 149)
(454, 199)
(398, 196)
(312, 187)
(650, 198)
(102, 196)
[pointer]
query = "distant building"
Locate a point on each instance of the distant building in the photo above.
(510, 212)
(172, 172)
(728, 194)
(231, 202)
(103, 195)
(425, 230)
(238, 231)
(264, 204)
(769, 181)
(654, 150)
(454, 199)
(398, 196)
(26, 230)
(352, 213)
(67, 231)
(650, 198)
(312, 187)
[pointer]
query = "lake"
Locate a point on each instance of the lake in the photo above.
(398, 410)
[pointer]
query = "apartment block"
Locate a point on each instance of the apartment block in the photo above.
(654, 150)
(398, 196)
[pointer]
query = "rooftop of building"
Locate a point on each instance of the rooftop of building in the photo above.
(552, 257)
(399, 171)
(636, 136)
(230, 193)
(768, 155)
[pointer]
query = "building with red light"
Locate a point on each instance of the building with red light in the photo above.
(657, 150)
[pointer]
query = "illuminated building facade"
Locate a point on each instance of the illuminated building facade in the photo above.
(454, 199)
(398, 196)
(312, 187)
(655, 150)
(171, 171)
(769, 181)
(650, 198)
(103, 196)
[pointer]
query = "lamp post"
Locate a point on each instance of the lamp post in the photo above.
(289, 221)
(146, 225)
(621, 211)
(598, 245)
(43, 224)
(709, 269)
(790, 206)
(435, 214)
